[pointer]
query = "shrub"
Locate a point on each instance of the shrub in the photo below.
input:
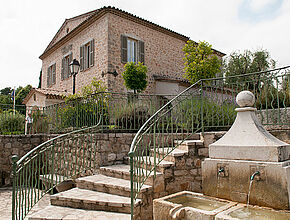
(82, 113)
(12, 123)
(40, 122)
(269, 98)
(132, 115)
(216, 115)
(135, 77)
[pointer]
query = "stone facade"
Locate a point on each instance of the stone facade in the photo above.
(98, 32)
(16, 145)
(162, 49)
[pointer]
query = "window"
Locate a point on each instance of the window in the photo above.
(132, 50)
(87, 55)
(51, 79)
(65, 70)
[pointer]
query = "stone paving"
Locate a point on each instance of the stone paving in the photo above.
(6, 203)
(53, 212)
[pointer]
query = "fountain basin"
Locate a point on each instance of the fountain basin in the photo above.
(188, 205)
(252, 213)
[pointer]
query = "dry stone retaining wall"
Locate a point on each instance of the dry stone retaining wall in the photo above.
(113, 148)
(16, 145)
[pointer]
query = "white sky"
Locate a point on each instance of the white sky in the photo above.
(27, 27)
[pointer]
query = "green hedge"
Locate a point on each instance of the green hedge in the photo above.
(12, 123)
(216, 115)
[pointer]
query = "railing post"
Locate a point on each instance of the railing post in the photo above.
(14, 166)
(154, 145)
(52, 165)
(131, 156)
(201, 106)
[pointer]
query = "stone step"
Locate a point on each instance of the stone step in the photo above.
(188, 144)
(122, 171)
(112, 185)
(47, 178)
(147, 162)
(58, 213)
(175, 153)
(92, 200)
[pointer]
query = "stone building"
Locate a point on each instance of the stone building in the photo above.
(103, 41)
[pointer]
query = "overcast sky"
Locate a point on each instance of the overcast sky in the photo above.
(27, 27)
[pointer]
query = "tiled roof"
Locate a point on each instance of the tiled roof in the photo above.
(93, 15)
(49, 93)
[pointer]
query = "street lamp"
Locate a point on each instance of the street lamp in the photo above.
(74, 69)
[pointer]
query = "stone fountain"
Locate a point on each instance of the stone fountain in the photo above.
(247, 149)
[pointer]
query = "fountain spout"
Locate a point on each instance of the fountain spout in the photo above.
(221, 170)
(254, 174)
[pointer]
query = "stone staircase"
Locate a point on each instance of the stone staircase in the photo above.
(106, 195)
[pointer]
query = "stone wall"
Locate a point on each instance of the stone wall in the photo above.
(274, 118)
(16, 145)
(113, 149)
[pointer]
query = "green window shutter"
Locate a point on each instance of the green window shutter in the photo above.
(63, 68)
(141, 51)
(92, 49)
(86, 56)
(48, 77)
(69, 61)
(82, 58)
(124, 48)
(53, 74)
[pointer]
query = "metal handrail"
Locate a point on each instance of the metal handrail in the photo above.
(214, 109)
(44, 167)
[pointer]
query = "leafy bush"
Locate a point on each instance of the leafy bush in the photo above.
(135, 77)
(216, 115)
(82, 113)
(12, 123)
(269, 98)
(40, 122)
(131, 115)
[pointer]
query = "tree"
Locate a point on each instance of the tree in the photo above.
(6, 91)
(21, 93)
(135, 77)
(200, 61)
(248, 62)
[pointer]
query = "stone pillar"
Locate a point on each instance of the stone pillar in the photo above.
(246, 148)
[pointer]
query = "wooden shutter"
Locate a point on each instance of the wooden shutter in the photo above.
(63, 68)
(124, 55)
(82, 58)
(69, 61)
(92, 49)
(53, 74)
(141, 52)
(48, 77)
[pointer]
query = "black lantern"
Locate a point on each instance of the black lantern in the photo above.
(74, 69)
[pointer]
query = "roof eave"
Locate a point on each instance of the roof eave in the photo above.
(98, 14)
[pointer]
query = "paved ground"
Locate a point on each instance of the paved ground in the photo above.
(52, 212)
(6, 203)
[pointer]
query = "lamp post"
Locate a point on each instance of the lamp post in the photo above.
(74, 69)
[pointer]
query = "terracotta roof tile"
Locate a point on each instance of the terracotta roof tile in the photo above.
(49, 93)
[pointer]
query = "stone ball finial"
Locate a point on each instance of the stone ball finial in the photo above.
(245, 99)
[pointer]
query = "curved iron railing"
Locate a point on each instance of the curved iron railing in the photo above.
(64, 157)
(207, 105)
(121, 112)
